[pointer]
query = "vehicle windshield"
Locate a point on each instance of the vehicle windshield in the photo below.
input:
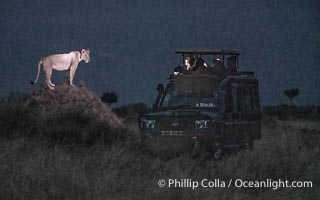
(191, 91)
(171, 101)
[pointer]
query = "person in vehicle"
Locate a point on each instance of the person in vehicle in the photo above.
(187, 59)
(232, 64)
(186, 67)
(178, 70)
(218, 67)
(232, 67)
(198, 66)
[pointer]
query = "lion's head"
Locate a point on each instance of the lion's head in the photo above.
(85, 55)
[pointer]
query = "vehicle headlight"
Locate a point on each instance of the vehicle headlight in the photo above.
(201, 124)
(147, 123)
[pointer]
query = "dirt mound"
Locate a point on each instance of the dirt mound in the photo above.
(66, 97)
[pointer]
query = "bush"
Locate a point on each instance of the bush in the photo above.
(132, 109)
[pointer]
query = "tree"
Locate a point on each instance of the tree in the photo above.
(291, 94)
(109, 97)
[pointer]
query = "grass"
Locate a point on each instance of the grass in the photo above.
(32, 170)
(42, 157)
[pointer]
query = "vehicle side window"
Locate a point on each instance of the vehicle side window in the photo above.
(241, 97)
(232, 98)
(248, 98)
(255, 97)
(229, 99)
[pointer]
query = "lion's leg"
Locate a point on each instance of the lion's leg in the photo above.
(51, 83)
(72, 72)
(68, 77)
(48, 78)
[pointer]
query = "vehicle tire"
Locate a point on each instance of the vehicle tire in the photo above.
(248, 145)
(217, 151)
(196, 148)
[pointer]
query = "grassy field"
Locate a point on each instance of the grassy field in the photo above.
(36, 165)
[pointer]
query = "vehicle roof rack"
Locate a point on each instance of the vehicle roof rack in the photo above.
(207, 52)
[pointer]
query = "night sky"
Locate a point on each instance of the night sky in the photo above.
(132, 42)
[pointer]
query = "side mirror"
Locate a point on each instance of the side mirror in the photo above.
(160, 89)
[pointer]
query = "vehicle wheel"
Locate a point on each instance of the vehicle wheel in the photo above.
(196, 148)
(217, 152)
(248, 145)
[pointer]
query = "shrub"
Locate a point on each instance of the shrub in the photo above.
(131, 109)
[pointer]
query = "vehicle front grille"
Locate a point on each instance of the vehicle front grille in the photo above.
(175, 124)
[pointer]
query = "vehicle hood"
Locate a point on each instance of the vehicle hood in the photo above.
(183, 113)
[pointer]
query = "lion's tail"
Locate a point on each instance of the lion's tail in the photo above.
(39, 65)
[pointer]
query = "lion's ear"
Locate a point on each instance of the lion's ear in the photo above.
(85, 50)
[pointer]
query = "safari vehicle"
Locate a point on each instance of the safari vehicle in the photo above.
(205, 111)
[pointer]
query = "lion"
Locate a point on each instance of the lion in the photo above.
(62, 62)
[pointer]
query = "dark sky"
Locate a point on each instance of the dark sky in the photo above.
(132, 42)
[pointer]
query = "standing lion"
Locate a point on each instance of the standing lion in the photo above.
(62, 62)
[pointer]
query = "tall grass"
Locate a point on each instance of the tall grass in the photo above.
(32, 170)
(285, 112)
(74, 153)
